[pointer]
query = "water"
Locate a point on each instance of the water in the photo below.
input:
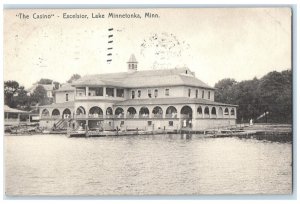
(145, 165)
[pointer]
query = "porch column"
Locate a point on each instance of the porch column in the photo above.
(104, 91)
(86, 91)
(115, 92)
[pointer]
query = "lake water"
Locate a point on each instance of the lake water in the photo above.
(145, 165)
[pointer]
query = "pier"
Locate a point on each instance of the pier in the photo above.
(270, 132)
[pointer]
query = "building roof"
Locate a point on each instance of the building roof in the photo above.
(167, 101)
(69, 104)
(7, 109)
(132, 59)
(47, 87)
(65, 87)
(146, 78)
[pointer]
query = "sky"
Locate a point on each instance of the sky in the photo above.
(215, 43)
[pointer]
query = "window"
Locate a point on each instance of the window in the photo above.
(189, 92)
(167, 92)
(110, 92)
(209, 95)
(149, 93)
(232, 112)
(196, 93)
(149, 123)
(67, 97)
(120, 93)
(122, 123)
(95, 91)
(171, 123)
(155, 93)
(80, 91)
(226, 111)
(132, 94)
(202, 93)
(139, 94)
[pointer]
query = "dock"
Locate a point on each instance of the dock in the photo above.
(269, 132)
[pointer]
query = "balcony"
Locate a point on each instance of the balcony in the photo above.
(185, 116)
(144, 116)
(119, 116)
(174, 115)
(131, 116)
(84, 97)
(109, 116)
(157, 115)
(90, 116)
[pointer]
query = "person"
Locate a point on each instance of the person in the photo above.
(251, 122)
(184, 123)
(190, 123)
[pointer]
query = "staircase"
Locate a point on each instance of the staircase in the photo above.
(63, 124)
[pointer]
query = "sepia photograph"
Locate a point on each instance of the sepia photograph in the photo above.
(148, 101)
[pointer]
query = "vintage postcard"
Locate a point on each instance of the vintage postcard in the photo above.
(148, 101)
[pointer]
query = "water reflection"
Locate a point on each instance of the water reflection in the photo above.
(145, 165)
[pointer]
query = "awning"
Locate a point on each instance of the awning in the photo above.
(12, 110)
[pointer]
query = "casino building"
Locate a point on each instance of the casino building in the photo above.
(152, 99)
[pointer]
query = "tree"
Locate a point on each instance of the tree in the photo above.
(73, 78)
(39, 96)
(49, 81)
(45, 81)
(276, 94)
(11, 89)
(225, 90)
(272, 93)
(22, 100)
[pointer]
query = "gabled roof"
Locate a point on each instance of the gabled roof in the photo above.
(147, 78)
(167, 101)
(47, 87)
(7, 109)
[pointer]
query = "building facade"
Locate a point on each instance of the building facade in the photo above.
(148, 100)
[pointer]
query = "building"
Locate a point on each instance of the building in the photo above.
(152, 99)
(48, 87)
(15, 117)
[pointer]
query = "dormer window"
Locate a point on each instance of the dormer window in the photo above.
(149, 93)
(167, 92)
(155, 93)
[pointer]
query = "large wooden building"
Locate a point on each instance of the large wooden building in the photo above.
(155, 99)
